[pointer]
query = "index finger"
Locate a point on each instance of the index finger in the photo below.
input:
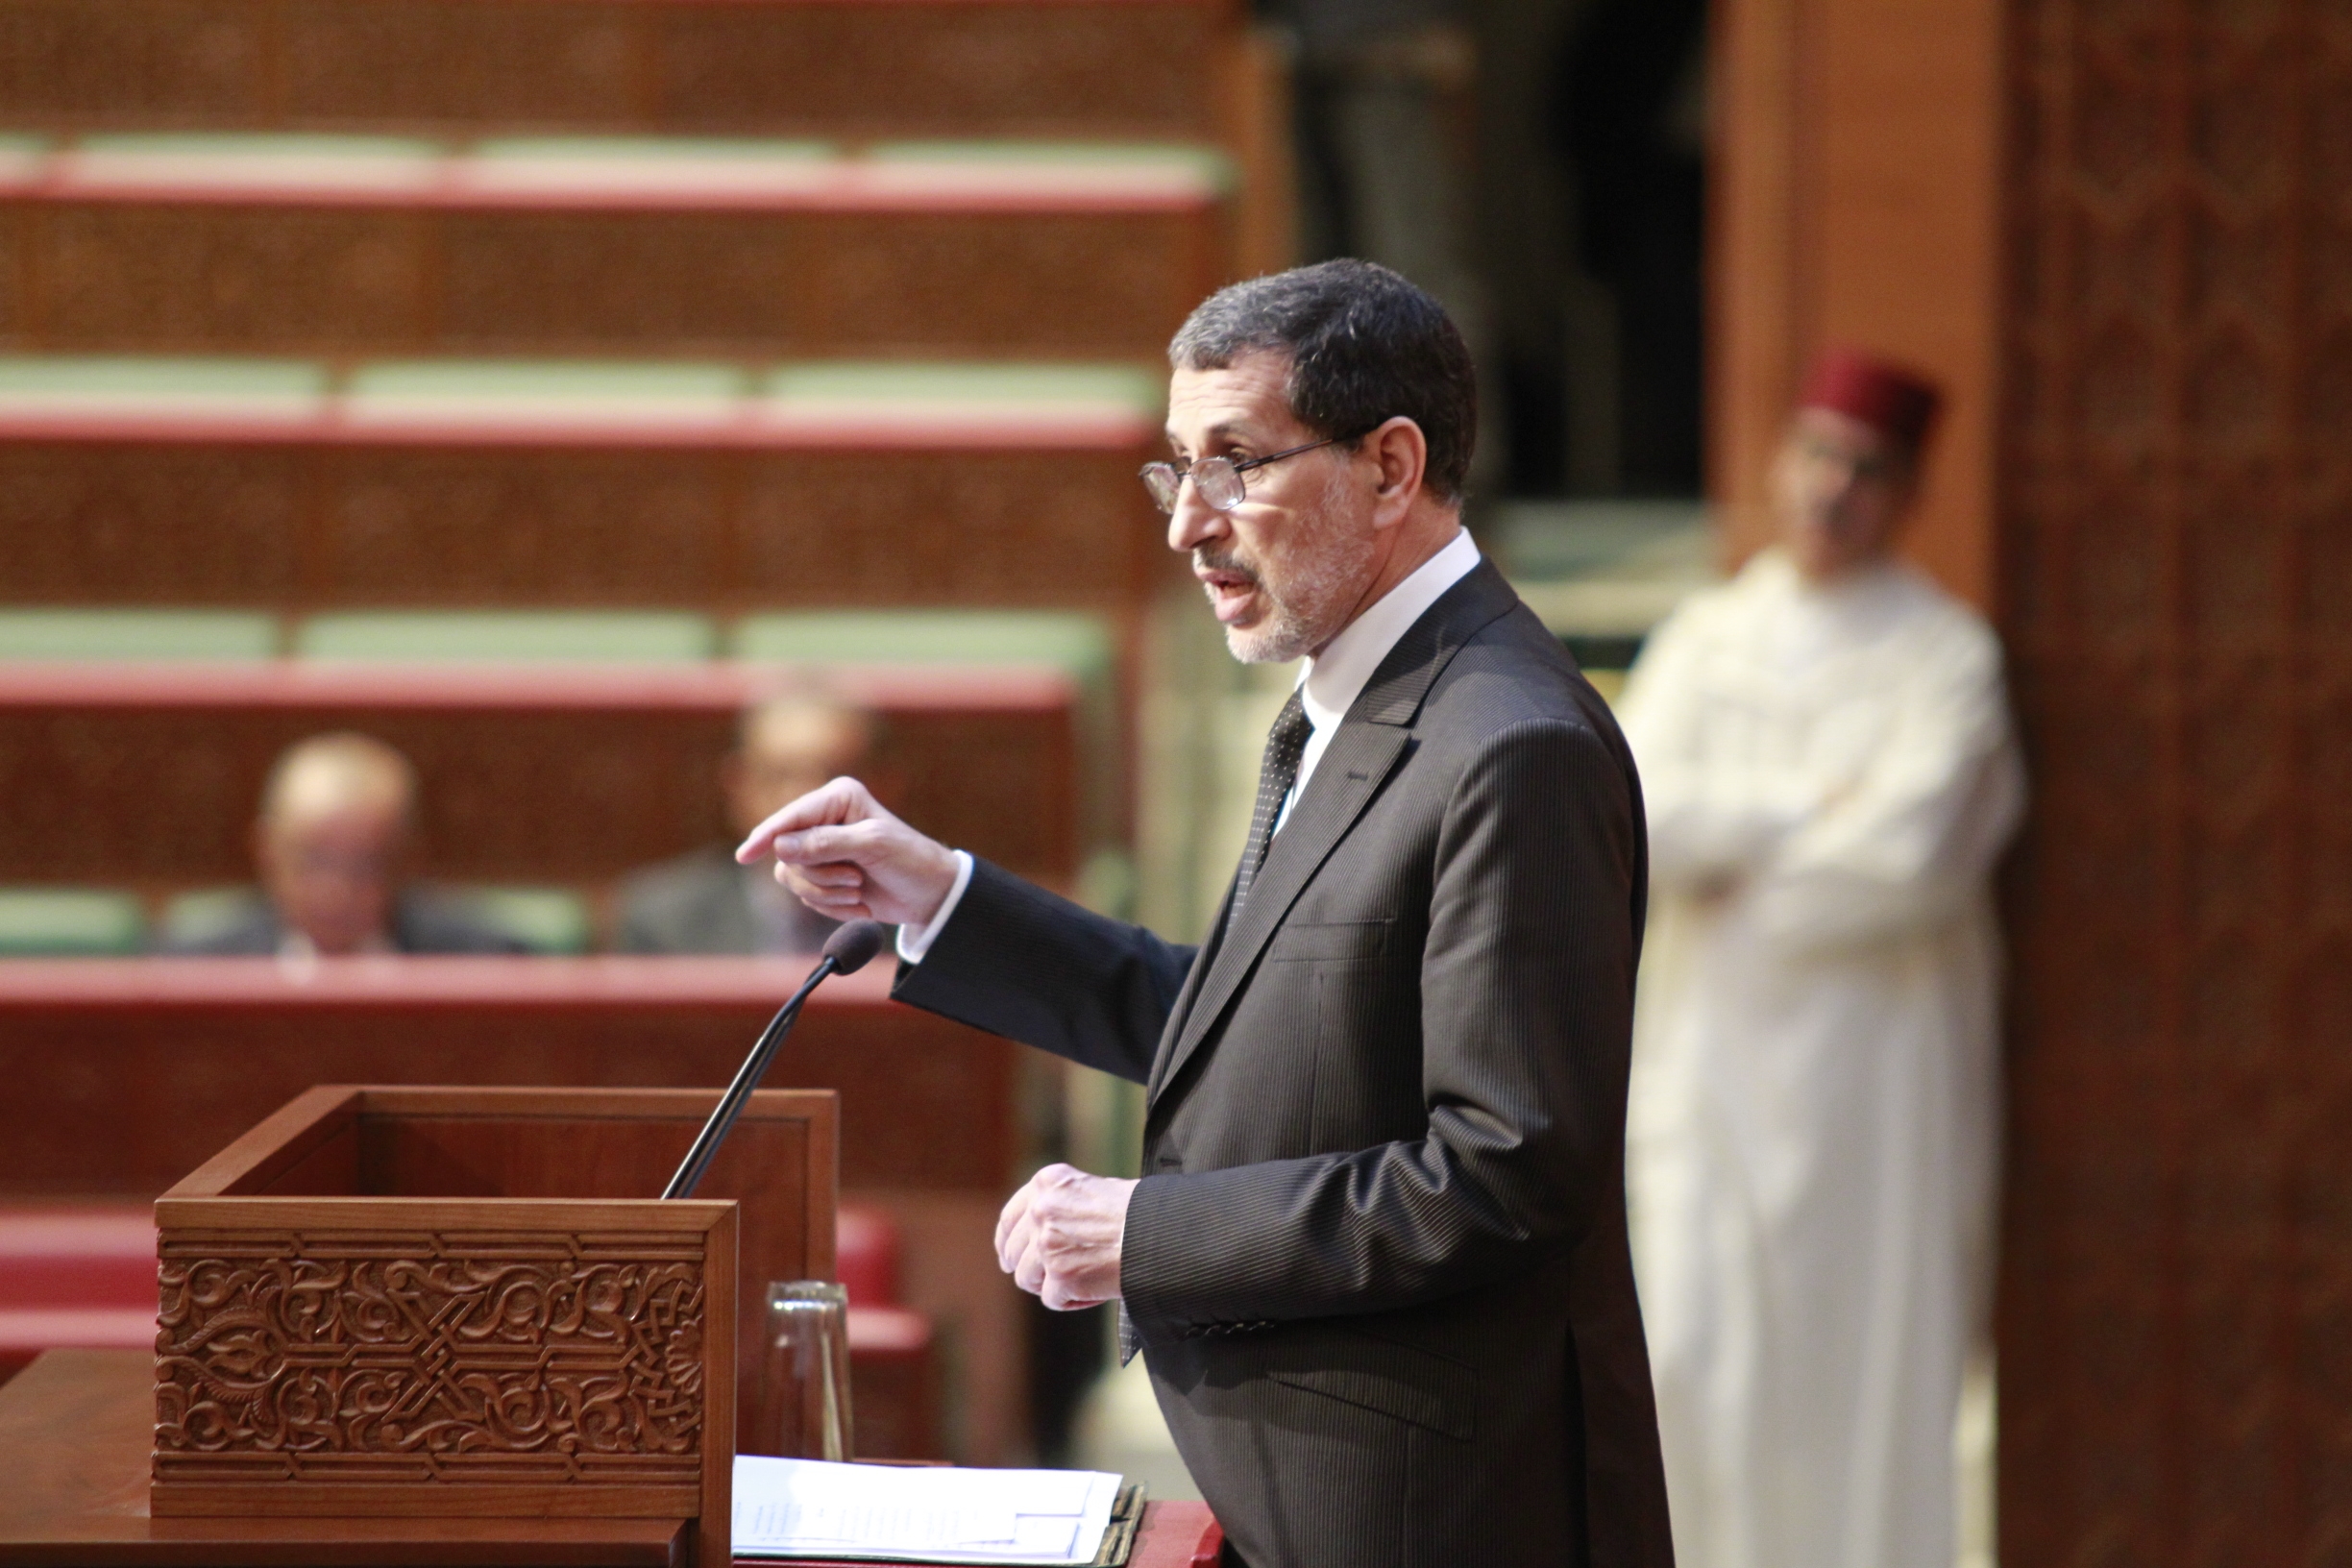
(826, 806)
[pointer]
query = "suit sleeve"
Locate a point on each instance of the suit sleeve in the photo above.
(1017, 961)
(1526, 987)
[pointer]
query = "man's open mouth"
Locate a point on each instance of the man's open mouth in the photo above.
(1230, 589)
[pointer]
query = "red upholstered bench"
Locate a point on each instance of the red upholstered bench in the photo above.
(892, 1363)
(75, 1276)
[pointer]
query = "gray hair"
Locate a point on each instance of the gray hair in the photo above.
(1364, 346)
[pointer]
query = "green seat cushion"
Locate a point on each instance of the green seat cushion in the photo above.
(202, 913)
(654, 152)
(493, 636)
(1120, 389)
(667, 390)
(100, 384)
(135, 634)
(69, 921)
(553, 920)
(1208, 167)
(1077, 644)
(236, 146)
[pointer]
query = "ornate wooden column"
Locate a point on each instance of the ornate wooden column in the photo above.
(2176, 549)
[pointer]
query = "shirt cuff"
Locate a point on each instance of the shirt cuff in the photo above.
(913, 944)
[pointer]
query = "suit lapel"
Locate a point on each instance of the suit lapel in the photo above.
(1366, 747)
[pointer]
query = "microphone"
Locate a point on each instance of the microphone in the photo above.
(847, 951)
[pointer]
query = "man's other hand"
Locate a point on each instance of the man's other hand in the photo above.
(1059, 1236)
(839, 852)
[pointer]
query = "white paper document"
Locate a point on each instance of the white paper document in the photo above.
(809, 1508)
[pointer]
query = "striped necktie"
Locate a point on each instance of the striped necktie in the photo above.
(1286, 744)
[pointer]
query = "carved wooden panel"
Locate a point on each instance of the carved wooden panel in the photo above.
(658, 280)
(2176, 1321)
(169, 60)
(940, 67)
(150, 525)
(319, 1359)
(358, 280)
(303, 526)
(975, 528)
(222, 278)
(1103, 285)
(953, 69)
(489, 526)
(165, 798)
(426, 61)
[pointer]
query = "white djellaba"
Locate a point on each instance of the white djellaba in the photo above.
(1813, 1130)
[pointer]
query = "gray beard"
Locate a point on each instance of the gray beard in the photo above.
(1307, 612)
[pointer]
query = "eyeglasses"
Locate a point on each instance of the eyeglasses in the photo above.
(1216, 480)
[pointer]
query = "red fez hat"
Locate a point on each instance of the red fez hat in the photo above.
(1892, 401)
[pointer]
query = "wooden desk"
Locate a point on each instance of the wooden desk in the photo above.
(76, 1429)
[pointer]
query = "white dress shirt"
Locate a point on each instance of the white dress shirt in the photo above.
(1327, 687)
(1335, 678)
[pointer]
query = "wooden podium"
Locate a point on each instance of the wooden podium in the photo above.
(466, 1303)
(444, 1328)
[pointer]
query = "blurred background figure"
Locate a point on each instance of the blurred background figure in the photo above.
(702, 902)
(332, 844)
(1826, 749)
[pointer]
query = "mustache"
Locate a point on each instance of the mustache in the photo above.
(1205, 559)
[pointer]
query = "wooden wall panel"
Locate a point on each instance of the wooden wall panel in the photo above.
(88, 277)
(2176, 1326)
(1857, 202)
(298, 527)
(921, 67)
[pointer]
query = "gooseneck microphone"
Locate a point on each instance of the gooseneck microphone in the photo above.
(847, 951)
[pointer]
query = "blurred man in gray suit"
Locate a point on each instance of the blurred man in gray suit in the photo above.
(1376, 1259)
(332, 844)
(703, 903)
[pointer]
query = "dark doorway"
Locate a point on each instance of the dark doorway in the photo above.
(1630, 117)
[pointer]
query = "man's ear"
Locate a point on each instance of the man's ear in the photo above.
(1402, 452)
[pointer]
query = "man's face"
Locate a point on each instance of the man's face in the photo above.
(1842, 491)
(785, 755)
(331, 871)
(1285, 568)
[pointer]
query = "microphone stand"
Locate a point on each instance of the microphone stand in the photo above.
(849, 950)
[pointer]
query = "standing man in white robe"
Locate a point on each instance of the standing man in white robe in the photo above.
(1813, 1133)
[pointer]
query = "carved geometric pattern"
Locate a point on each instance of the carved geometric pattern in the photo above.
(299, 526)
(450, 1358)
(355, 280)
(925, 67)
(2176, 549)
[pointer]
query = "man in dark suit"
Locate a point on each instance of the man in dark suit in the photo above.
(331, 845)
(1377, 1259)
(702, 901)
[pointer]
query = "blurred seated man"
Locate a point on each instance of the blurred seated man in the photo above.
(702, 901)
(331, 845)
